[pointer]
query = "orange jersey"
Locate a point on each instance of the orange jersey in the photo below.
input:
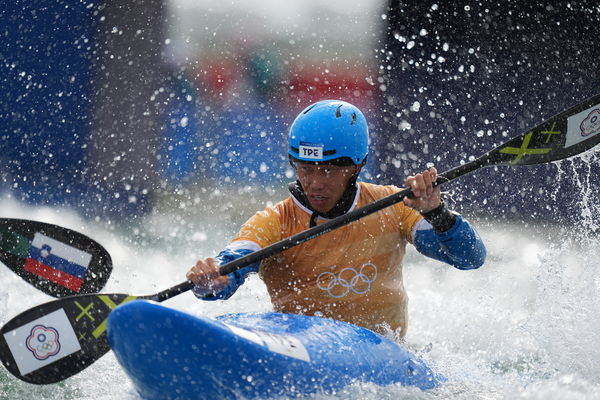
(353, 273)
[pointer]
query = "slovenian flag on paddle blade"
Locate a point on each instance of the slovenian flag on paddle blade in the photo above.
(57, 262)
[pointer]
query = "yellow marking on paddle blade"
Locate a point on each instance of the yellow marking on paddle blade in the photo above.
(110, 304)
(551, 132)
(84, 311)
(523, 150)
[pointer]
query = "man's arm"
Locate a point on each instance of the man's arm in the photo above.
(261, 230)
(442, 234)
(235, 279)
(459, 246)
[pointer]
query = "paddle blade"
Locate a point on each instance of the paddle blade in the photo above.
(56, 260)
(565, 135)
(56, 340)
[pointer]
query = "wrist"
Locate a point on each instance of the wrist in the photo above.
(441, 218)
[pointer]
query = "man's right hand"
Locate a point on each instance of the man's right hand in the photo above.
(205, 275)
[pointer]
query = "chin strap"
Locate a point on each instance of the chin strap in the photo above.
(340, 208)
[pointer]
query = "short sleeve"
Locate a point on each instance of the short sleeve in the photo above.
(263, 228)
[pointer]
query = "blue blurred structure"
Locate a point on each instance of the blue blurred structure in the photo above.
(181, 151)
(461, 79)
(251, 145)
(46, 75)
(76, 117)
(252, 129)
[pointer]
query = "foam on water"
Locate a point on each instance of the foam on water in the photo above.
(523, 326)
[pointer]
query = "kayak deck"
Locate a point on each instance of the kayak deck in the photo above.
(170, 354)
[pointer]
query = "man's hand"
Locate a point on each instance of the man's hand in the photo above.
(426, 197)
(205, 275)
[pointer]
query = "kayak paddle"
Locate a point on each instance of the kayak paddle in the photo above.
(56, 260)
(56, 340)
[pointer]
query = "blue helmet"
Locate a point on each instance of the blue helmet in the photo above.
(329, 130)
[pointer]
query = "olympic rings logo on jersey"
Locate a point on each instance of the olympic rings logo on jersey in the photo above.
(348, 279)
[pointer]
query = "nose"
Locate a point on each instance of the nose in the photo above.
(317, 180)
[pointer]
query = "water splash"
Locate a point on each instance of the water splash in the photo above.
(522, 326)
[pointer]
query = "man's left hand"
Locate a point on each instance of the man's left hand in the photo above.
(425, 196)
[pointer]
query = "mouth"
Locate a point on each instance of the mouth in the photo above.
(318, 201)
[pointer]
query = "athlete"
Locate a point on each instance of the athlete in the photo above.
(353, 273)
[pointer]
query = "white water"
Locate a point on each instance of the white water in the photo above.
(523, 326)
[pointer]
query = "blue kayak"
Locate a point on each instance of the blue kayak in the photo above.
(169, 354)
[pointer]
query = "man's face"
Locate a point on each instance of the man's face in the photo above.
(324, 185)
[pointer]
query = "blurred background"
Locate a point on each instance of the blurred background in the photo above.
(116, 108)
(158, 126)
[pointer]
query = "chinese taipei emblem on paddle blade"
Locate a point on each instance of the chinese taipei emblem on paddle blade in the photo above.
(48, 343)
(42, 341)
